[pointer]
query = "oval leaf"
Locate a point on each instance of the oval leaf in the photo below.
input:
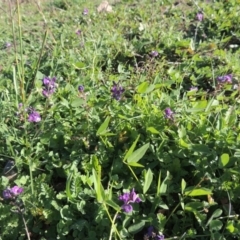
(137, 227)
(224, 159)
(197, 192)
(148, 180)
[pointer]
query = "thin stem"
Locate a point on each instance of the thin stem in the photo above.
(112, 221)
(21, 67)
(111, 232)
(25, 224)
(183, 199)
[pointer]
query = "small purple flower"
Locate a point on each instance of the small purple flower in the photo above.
(117, 91)
(85, 11)
(34, 116)
(8, 45)
(49, 86)
(159, 237)
(151, 233)
(81, 88)
(199, 16)
(12, 192)
(78, 32)
(128, 198)
(7, 193)
(16, 190)
(225, 78)
(169, 113)
(154, 53)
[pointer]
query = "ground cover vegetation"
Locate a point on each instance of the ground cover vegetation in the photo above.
(119, 120)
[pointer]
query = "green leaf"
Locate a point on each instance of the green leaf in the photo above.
(200, 148)
(197, 191)
(159, 183)
(142, 87)
(150, 88)
(230, 226)
(137, 227)
(199, 106)
(153, 130)
(97, 186)
(183, 144)
(79, 65)
(131, 149)
(163, 188)
(148, 180)
(113, 205)
(183, 185)
(224, 159)
(103, 128)
(215, 225)
(134, 164)
(77, 102)
(138, 154)
(216, 213)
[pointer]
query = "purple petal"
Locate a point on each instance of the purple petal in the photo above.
(7, 194)
(16, 190)
(125, 197)
(127, 208)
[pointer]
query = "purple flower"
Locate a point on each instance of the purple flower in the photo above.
(127, 208)
(225, 78)
(34, 116)
(78, 32)
(85, 11)
(7, 193)
(169, 113)
(117, 91)
(154, 53)
(151, 233)
(199, 16)
(12, 192)
(16, 190)
(8, 45)
(128, 198)
(159, 237)
(49, 86)
(81, 88)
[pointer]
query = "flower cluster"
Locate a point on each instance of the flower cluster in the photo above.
(49, 86)
(13, 192)
(152, 234)
(117, 91)
(169, 113)
(33, 116)
(128, 198)
(225, 78)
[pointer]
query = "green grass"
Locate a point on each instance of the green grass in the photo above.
(89, 148)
